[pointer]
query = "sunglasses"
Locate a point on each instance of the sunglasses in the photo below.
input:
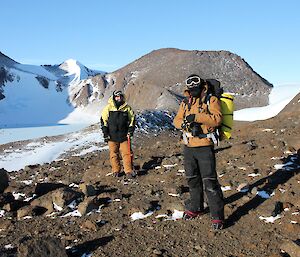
(192, 81)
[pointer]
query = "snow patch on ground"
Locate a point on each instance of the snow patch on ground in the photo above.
(45, 151)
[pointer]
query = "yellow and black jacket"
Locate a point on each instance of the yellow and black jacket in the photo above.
(117, 122)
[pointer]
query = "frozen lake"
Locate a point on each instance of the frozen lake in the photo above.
(16, 134)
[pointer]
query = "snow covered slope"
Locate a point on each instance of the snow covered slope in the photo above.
(28, 103)
(43, 95)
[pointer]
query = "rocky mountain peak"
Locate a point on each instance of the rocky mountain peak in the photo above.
(160, 76)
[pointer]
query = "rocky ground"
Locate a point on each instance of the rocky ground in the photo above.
(258, 170)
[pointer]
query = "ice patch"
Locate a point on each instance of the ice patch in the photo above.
(26, 182)
(175, 195)
(275, 158)
(18, 196)
(169, 165)
(9, 246)
(140, 215)
(74, 185)
(2, 213)
(254, 175)
(284, 166)
(226, 188)
(177, 215)
(267, 130)
(57, 207)
(270, 219)
(75, 213)
(27, 217)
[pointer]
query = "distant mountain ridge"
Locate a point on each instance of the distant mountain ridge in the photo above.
(160, 76)
(64, 74)
(155, 81)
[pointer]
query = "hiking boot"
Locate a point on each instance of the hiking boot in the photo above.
(130, 175)
(188, 215)
(117, 174)
(217, 225)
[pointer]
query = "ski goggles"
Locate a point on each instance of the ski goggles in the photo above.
(118, 93)
(193, 81)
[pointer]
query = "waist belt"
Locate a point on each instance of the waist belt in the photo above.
(213, 136)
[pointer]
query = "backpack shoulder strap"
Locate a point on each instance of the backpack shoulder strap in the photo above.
(207, 100)
(187, 101)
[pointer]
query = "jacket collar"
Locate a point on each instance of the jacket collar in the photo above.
(202, 95)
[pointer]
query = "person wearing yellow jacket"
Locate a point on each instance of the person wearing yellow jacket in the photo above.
(197, 119)
(117, 124)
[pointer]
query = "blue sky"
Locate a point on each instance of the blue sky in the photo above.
(106, 35)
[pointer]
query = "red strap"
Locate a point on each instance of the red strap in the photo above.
(129, 149)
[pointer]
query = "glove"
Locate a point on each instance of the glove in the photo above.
(190, 118)
(106, 138)
(184, 125)
(105, 134)
(130, 131)
(105, 131)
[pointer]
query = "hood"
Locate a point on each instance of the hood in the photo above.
(111, 102)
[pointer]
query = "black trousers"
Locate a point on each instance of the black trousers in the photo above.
(200, 170)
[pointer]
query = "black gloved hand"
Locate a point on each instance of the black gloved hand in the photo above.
(130, 131)
(104, 130)
(106, 139)
(184, 125)
(190, 118)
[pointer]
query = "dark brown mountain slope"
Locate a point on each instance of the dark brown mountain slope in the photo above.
(156, 80)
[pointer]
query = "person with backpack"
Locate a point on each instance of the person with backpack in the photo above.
(117, 124)
(198, 121)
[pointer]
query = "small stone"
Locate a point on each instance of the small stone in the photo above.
(149, 249)
(287, 205)
(254, 191)
(45, 246)
(88, 190)
(244, 187)
(89, 226)
(198, 247)
(5, 224)
(246, 198)
(291, 247)
(157, 252)
(4, 180)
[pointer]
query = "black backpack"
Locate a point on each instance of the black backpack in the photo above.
(215, 89)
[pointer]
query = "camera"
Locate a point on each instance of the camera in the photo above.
(196, 129)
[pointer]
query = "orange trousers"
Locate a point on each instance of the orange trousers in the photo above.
(114, 153)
